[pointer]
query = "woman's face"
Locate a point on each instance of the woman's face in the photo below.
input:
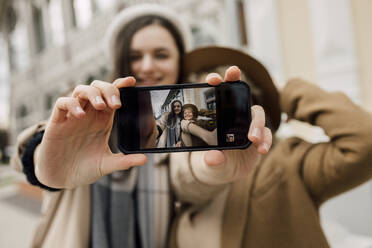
(187, 114)
(177, 108)
(154, 56)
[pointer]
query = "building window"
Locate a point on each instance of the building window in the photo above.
(37, 18)
(16, 37)
(4, 84)
(49, 100)
(22, 111)
(242, 29)
(56, 22)
(202, 36)
(210, 99)
(82, 13)
(90, 79)
(103, 4)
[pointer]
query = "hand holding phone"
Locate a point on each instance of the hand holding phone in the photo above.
(260, 136)
(184, 117)
(74, 150)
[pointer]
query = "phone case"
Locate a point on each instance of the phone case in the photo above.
(186, 149)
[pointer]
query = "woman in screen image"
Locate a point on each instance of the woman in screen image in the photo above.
(169, 126)
(97, 198)
(192, 134)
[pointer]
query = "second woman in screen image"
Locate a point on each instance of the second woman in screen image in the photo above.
(193, 135)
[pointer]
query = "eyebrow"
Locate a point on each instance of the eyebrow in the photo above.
(159, 49)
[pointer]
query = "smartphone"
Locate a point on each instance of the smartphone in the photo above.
(184, 117)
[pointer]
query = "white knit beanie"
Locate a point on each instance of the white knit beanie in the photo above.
(127, 15)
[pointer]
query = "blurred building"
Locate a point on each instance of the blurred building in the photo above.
(53, 45)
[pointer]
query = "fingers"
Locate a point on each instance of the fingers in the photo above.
(232, 74)
(99, 94)
(214, 79)
(102, 94)
(117, 162)
(265, 146)
(214, 157)
(124, 82)
(66, 105)
(109, 92)
(260, 135)
(257, 125)
(90, 94)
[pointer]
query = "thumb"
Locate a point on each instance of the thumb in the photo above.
(214, 158)
(118, 162)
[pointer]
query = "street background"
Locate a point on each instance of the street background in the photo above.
(50, 46)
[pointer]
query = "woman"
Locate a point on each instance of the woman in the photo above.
(99, 202)
(193, 134)
(169, 126)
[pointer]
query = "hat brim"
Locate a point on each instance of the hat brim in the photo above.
(206, 58)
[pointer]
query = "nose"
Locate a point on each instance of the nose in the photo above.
(147, 63)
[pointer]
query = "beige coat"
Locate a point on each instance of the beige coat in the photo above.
(275, 205)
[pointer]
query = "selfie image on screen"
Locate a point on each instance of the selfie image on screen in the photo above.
(183, 117)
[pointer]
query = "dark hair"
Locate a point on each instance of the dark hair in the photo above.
(172, 116)
(122, 61)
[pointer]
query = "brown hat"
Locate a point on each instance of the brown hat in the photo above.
(207, 58)
(195, 110)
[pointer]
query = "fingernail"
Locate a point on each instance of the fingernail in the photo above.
(256, 133)
(99, 99)
(79, 110)
(115, 100)
(265, 147)
(212, 75)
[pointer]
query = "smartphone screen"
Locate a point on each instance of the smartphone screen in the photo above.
(184, 117)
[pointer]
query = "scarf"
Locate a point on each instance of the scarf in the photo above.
(132, 208)
(173, 132)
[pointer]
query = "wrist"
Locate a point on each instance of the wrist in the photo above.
(212, 175)
(29, 160)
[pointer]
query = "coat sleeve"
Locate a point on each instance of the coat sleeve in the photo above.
(162, 121)
(21, 143)
(195, 182)
(330, 168)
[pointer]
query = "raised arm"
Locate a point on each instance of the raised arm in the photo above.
(209, 137)
(345, 161)
(198, 177)
(74, 148)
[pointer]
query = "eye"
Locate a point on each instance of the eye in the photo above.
(162, 54)
(134, 56)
